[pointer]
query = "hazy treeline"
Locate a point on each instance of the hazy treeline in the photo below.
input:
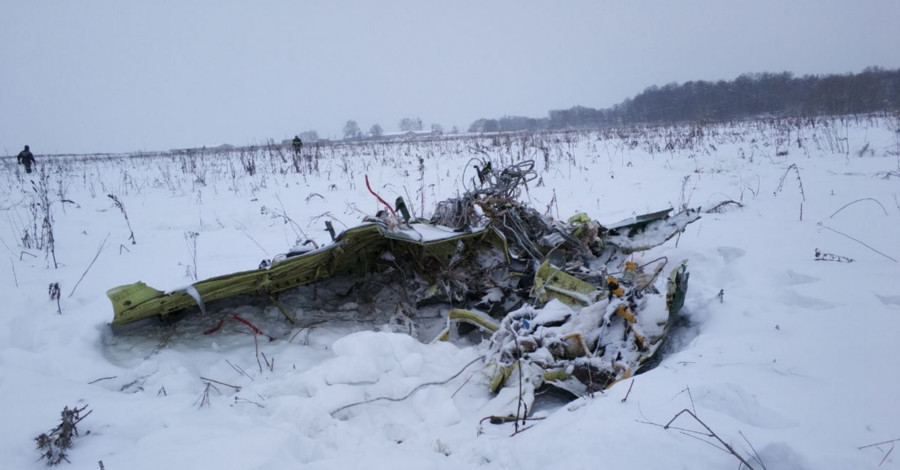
(749, 95)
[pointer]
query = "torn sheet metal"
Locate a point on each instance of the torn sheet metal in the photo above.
(586, 348)
(558, 301)
(355, 252)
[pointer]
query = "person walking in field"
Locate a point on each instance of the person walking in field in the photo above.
(297, 145)
(26, 158)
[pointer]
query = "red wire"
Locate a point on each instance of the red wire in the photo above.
(222, 321)
(251, 325)
(379, 197)
(215, 328)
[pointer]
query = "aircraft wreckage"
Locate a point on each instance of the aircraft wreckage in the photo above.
(559, 303)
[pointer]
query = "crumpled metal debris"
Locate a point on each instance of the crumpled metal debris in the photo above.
(581, 338)
(560, 302)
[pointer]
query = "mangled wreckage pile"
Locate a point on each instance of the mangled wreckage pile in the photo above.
(557, 303)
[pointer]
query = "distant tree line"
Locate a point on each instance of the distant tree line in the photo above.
(352, 131)
(749, 95)
(410, 124)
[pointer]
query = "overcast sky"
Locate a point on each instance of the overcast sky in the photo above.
(124, 75)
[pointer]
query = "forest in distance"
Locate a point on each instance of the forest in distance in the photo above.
(750, 95)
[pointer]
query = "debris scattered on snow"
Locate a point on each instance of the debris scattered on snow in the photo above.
(560, 302)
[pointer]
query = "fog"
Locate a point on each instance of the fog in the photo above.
(115, 76)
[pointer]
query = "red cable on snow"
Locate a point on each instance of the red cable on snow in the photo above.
(379, 197)
(251, 325)
(222, 321)
(215, 328)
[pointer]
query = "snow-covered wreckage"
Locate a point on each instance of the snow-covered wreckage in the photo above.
(552, 303)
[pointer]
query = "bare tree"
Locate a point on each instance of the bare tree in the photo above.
(410, 124)
(310, 136)
(351, 130)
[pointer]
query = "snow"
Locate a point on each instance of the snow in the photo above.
(429, 233)
(797, 355)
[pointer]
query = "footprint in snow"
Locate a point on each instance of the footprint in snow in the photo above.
(889, 299)
(793, 278)
(730, 253)
(733, 400)
(794, 299)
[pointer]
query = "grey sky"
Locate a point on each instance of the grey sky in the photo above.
(123, 75)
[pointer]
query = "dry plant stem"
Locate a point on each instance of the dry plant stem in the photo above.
(520, 402)
(629, 391)
(102, 378)
(799, 182)
(102, 245)
(463, 385)
(54, 444)
(421, 191)
(239, 369)
(256, 344)
(244, 400)
(710, 433)
(269, 364)
(859, 200)
(307, 327)
(756, 455)
(521, 430)
(411, 392)
(722, 204)
(80, 419)
(42, 193)
(163, 342)
(203, 399)
(15, 277)
(121, 207)
(886, 455)
(691, 396)
(857, 241)
(294, 225)
(235, 387)
(244, 231)
(878, 444)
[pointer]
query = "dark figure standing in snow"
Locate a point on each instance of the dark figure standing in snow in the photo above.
(297, 145)
(26, 158)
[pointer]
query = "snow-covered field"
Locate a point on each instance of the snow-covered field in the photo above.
(796, 363)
